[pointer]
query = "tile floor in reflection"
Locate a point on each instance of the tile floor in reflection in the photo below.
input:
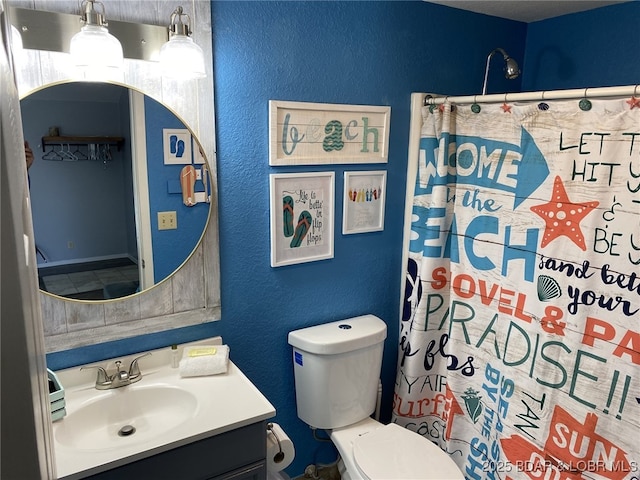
(69, 284)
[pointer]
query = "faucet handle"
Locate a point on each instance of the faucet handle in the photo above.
(102, 377)
(120, 374)
(134, 369)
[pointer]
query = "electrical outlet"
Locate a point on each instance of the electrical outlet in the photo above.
(70, 244)
(167, 221)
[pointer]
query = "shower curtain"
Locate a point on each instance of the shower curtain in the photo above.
(519, 342)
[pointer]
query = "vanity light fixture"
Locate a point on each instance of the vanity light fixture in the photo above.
(94, 51)
(181, 57)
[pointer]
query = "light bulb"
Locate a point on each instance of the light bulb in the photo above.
(182, 58)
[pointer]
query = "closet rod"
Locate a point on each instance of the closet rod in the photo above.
(542, 95)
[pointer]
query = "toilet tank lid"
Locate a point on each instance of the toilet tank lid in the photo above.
(341, 336)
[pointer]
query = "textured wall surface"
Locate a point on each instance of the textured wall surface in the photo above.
(596, 48)
(335, 52)
(371, 53)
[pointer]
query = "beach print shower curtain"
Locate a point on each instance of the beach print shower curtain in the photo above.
(520, 334)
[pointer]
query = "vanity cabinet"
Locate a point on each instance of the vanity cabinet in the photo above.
(239, 454)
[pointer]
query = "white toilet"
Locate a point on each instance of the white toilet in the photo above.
(337, 367)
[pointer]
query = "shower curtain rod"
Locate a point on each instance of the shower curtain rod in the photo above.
(542, 95)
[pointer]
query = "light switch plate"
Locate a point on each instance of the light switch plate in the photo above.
(167, 221)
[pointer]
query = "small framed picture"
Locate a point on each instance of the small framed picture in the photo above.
(302, 217)
(364, 199)
(176, 146)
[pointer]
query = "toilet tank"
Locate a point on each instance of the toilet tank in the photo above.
(337, 367)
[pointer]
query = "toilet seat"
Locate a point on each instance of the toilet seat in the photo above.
(392, 452)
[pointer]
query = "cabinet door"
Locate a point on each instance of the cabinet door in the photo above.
(257, 471)
(215, 457)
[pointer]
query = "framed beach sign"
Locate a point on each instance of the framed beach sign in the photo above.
(302, 217)
(325, 133)
(363, 203)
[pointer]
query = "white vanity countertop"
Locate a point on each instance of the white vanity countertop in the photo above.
(225, 402)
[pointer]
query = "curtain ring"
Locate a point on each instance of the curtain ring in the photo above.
(441, 106)
(475, 108)
(634, 90)
(585, 103)
(542, 96)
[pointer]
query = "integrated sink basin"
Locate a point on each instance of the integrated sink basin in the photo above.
(122, 416)
(106, 429)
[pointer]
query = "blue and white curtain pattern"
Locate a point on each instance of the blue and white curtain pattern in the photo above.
(520, 333)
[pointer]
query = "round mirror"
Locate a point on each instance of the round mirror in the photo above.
(120, 189)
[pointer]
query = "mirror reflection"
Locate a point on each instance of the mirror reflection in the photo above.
(119, 189)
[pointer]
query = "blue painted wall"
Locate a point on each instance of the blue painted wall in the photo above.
(373, 53)
(335, 52)
(596, 48)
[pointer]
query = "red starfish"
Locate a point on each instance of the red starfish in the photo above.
(562, 217)
(441, 107)
(633, 102)
(506, 108)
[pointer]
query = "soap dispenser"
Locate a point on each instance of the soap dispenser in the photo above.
(175, 358)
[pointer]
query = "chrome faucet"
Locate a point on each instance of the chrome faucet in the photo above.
(121, 377)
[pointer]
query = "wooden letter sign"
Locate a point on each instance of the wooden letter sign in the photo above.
(323, 133)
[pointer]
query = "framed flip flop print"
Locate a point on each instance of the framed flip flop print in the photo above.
(363, 203)
(177, 146)
(302, 217)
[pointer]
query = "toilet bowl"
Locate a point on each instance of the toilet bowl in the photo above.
(337, 370)
(370, 450)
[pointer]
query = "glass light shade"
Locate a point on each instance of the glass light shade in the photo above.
(16, 41)
(182, 58)
(96, 53)
(17, 49)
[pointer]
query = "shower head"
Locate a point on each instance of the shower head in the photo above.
(511, 69)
